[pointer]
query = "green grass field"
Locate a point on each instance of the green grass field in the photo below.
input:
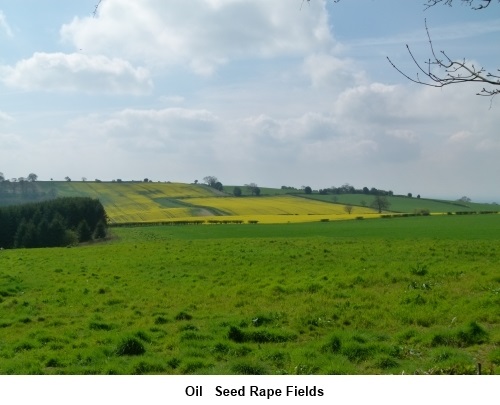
(405, 204)
(379, 296)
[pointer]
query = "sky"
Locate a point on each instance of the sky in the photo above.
(280, 92)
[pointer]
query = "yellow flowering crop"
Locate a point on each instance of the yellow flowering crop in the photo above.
(275, 205)
(127, 202)
(138, 201)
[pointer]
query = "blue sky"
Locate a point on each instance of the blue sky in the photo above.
(249, 91)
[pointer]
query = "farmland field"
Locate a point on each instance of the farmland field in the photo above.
(279, 205)
(137, 202)
(405, 204)
(140, 202)
(400, 295)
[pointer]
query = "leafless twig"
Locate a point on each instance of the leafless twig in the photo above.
(470, 3)
(335, 1)
(96, 7)
(442, 71)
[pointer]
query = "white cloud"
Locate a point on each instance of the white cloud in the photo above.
(10, 142)
(367, 102)
(202, 34)
(397, 145)
(289, 135)
(467, 143)
(4, 118)
(77, 72)
(168, 144)
(4, 25)
(166, 131)
(383, 142)
(459, 137)
(172, 99)
(326, 70)
(282, 104)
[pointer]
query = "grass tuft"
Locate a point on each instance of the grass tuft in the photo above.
(160, 320)
(334, 345)
(248, 368)
(183, 316)
(261, 336)
(419, 270)
(494, 356)
(473, 334)
(99, 326)
(130, 347)
(144, 367)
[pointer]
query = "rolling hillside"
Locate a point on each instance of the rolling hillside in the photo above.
(273, 205)
(406, 204)
(138, 202)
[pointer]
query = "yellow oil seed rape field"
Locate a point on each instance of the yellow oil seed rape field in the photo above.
(106, 191)
(148, 202)
(139, 202)
(275, 205)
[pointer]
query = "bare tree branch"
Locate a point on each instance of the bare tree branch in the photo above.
(335, 1)
(471, 3)
(96, 7)
(442, 71)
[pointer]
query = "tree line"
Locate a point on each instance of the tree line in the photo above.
(348, 189)
(19, 187)
(60, 222)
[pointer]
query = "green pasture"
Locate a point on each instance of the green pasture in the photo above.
(406, 204)
(447, 227)
(384, 296)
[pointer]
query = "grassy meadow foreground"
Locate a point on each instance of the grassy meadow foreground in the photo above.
(397, 295)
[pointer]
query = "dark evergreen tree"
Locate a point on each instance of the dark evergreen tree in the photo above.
(57, 222)
(56, 232)
(42, 231)
(100, 230)
(84, 232)
(25, 236)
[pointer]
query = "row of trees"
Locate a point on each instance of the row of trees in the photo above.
(254, 189)
(348, 189)
(59, 222)
(213, 182)
(344, 189)
(32, 177)
(22, 189)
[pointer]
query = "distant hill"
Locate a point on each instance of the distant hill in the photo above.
(408, 204)
(147, 202)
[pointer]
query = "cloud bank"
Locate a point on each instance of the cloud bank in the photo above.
(77, 72)
(247, 90)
